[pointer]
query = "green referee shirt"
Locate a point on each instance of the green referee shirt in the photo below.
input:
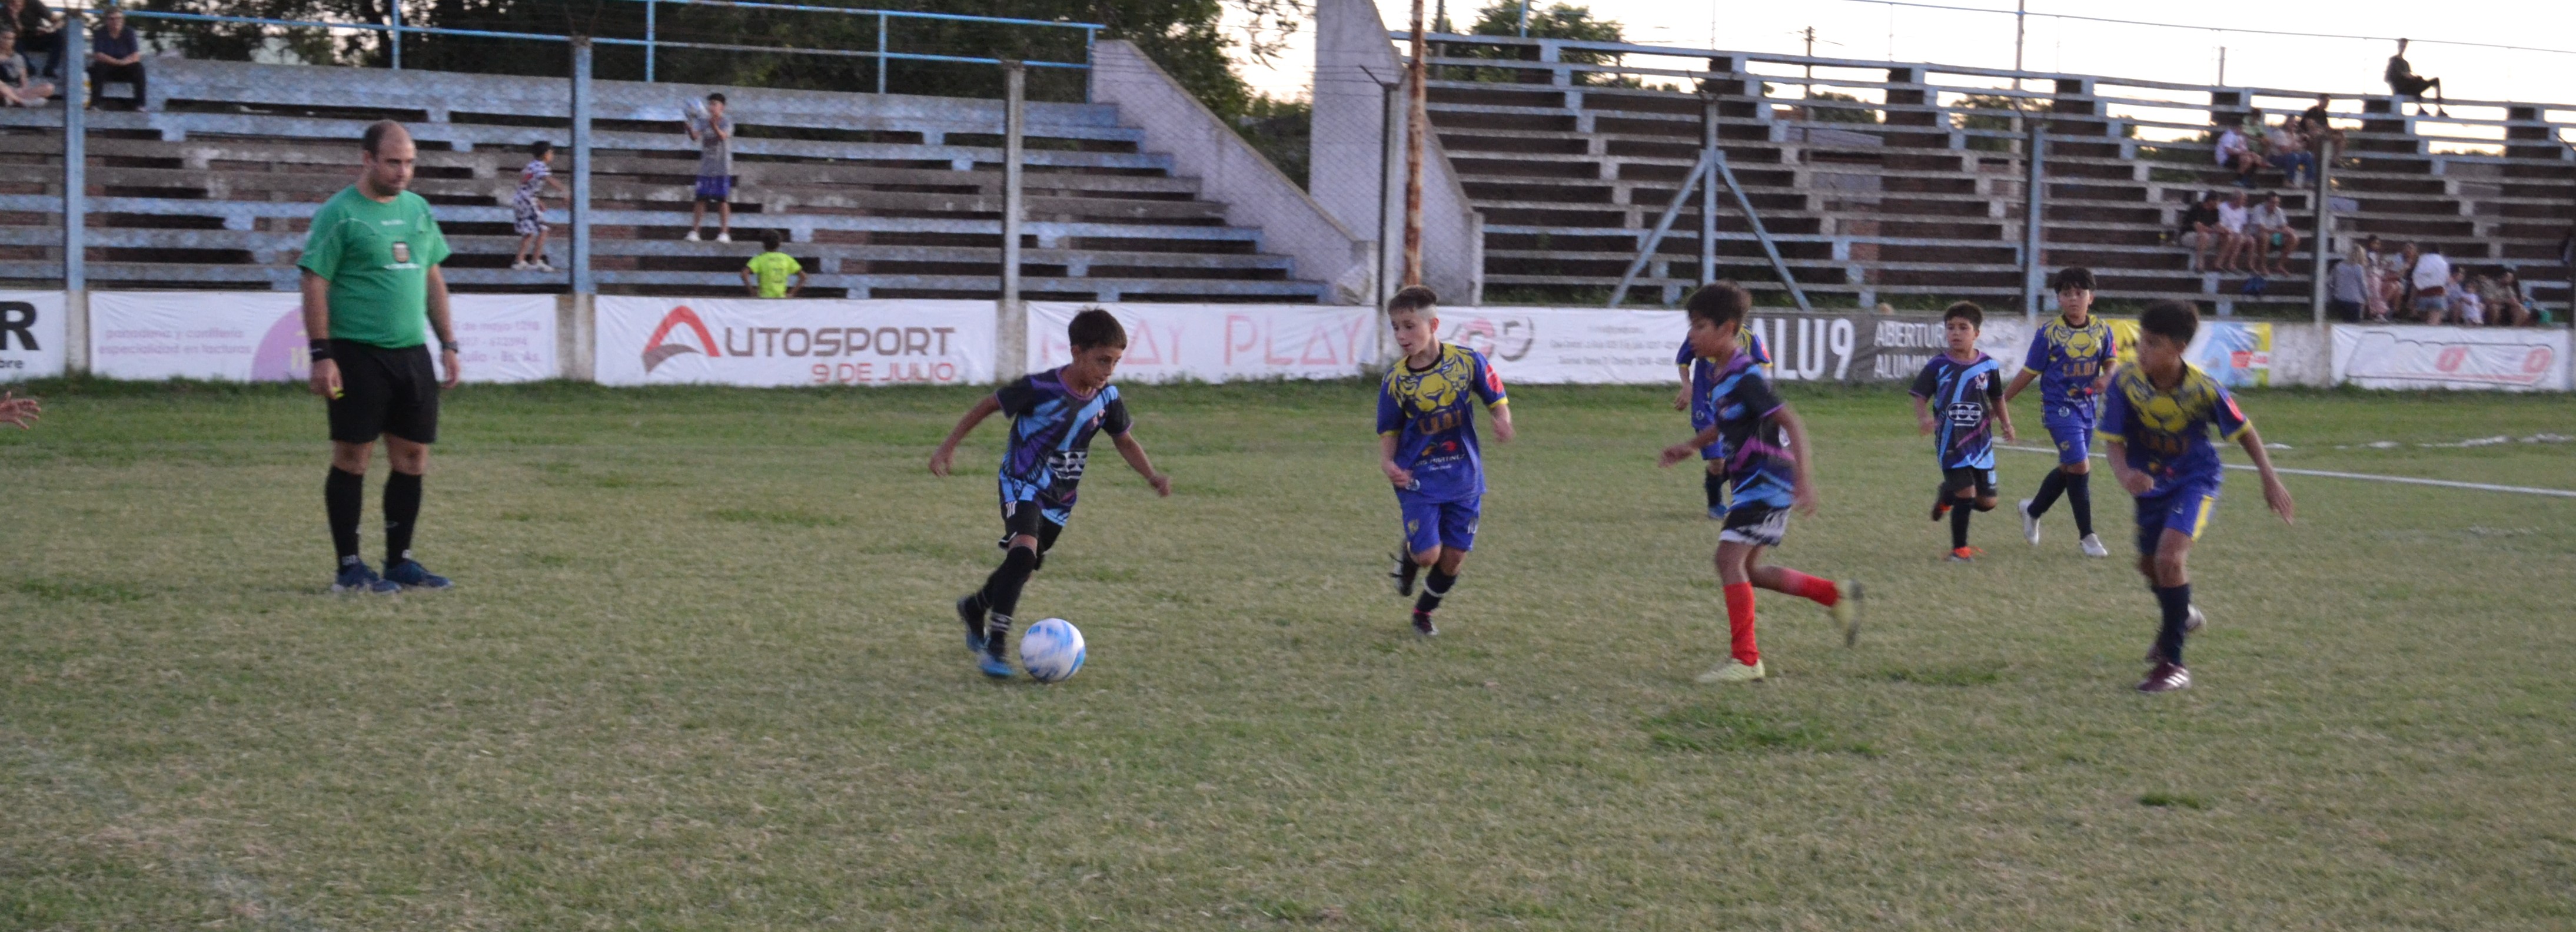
(772, 270)
(376, 255)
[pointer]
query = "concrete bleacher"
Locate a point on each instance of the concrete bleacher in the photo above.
(881, 196)
(1570, 171)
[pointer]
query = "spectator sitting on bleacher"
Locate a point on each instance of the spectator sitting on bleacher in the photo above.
(2431, 279)
(2272, 229)
(2509, 300)
(2348, 287)
(2236, 154)
(715, 171)
(2200, 230)
(2316, 124)
(116, 54)
(2289, 151)
(2397, 281)
(2466, 303)
(2232, 217)
(528, 208)
(2406, 83)
(18, 88)
(37, 33)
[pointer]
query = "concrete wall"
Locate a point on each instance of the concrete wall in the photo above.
(1229, 170)
(1353, 64)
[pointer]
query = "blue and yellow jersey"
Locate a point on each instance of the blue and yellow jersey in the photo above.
(1962, 397)
(2068, 359)
(1431, 413)
(2167, 432)
(1703, 370)
(1757, 450)
(1051, 431)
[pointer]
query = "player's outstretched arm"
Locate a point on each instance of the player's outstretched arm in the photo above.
(2136, 482)
(1503, 430)
(1681, 396)
(1134, 454)
(2019, 382)
(18, 411)
(2275, 495)
(947, 452)
(1803, 495)
(1687, 448)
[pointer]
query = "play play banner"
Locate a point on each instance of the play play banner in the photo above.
(31, 335)
(258, 336)
(2450, 357)
(775, 342)
(1218, 342)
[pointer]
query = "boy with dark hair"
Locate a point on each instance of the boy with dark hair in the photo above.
(2072, 357)
(767, 275)
(1699, 374)
(1967, 385)
(1426, 438)
(1767, 461)
(528, 208)
(713, 133)
(2155, 424)
(1054, 415)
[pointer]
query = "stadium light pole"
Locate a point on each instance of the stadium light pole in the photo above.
(583, 280)
(75, 156)
(1011, 315)
(1415, 121)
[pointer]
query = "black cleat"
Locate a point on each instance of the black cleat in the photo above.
(974, 618)
(1404, 573)
(1422, 624)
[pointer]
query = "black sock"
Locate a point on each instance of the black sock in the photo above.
(2079, 499)
(344, 496)
(402, 510)
(1435, 585)
(1959, 513)
(1001, 594)
(1716, 487)
(2049, 489)
(2176, 602)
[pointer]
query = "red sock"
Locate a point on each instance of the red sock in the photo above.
(1739, 622)
(1820, 591)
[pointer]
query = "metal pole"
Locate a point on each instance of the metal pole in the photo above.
(1386, 129)
(2034, 205)
(583, 281)
(1525, 5)
(2322, 245)
(649, 32)
(1415, 123)
(2021, 12)
(75, 154)
(1663, 224)
(881, 59)
(393, 38)
(1779, 266)
(1015, 84)
(1708, 199)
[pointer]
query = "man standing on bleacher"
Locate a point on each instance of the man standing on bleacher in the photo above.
(373, 295)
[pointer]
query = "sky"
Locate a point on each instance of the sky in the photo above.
(1878, 32)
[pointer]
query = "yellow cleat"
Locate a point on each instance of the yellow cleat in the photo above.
(1846, 610)
(1733, 671)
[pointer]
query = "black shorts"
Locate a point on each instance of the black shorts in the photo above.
(384, 391)
(2411, 86)
(1965, 477)
(1032, 518)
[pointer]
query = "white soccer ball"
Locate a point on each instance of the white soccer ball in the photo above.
(1051, 650)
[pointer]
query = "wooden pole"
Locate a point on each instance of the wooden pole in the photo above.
(1416, 124)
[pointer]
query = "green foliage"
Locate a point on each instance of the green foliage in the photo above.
(1988, 121)
(1828, 114)
(1283, 131)
(1555, 21)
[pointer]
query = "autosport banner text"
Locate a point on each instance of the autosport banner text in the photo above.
(2450, 357)
(1219, 342)
(258, 336)
(774, 342)
(31, 335)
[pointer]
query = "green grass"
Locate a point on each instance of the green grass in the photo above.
(700, 673)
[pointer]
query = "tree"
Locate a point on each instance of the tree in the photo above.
(1556, 21)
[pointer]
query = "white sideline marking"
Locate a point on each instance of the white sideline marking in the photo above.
(2408, 480)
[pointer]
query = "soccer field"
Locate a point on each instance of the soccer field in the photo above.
(699, 671)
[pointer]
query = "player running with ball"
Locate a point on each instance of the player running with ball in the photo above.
(2156, 425)
(1767, 459)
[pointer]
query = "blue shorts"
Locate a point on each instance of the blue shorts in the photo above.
(2184, 508)
(715, 187)
(1429, 525)
(2071, 428)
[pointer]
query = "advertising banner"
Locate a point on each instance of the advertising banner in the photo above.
(1898, 348)
(258, 336)
(2237, 354)
(773, 342)
(1218, 342)
(31, 335)
(2404, 357)
(1603, 346)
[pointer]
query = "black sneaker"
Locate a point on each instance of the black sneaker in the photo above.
(2165, 678)
(973, 616)
(1404, 573)
(1422, 624)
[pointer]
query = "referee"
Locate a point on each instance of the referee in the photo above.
(373, 295)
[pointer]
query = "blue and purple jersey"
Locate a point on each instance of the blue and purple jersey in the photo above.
(1051, 431)
(2068, 359)
(1962, 397)
(1757, 450)
(1431, 413)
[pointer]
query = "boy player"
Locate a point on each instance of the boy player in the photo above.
(2071, 356)
(1054, 415)
(1426, 436)
(2156, 425)
(1699, 374)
